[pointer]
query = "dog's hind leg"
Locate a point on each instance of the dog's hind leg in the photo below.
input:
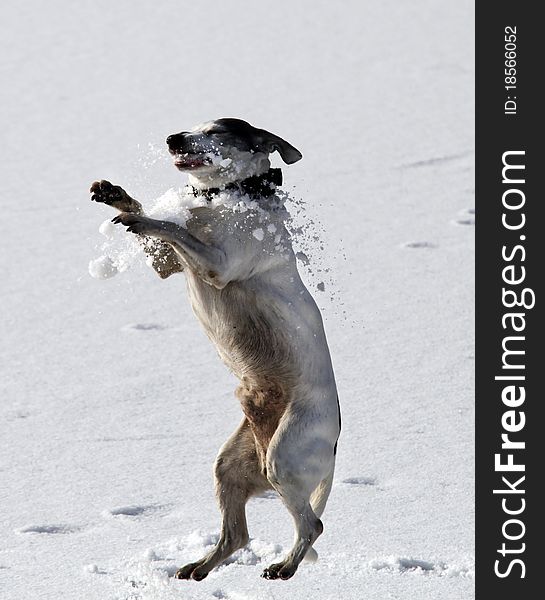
(238, 476)
(300, 468)
(318, 500)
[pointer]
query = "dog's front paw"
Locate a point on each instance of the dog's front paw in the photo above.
(133, 223)
(138, 223)
(103, 191)
(113, 195)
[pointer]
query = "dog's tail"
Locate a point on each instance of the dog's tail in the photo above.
(318, 500)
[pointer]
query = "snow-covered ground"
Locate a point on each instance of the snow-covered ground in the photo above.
(114, 403)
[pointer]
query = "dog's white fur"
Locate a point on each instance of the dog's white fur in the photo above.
(253, 305)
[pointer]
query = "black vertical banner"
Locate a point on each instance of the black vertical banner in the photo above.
(510, 269)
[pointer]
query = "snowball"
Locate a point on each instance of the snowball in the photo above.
(102, 268)
(259, 234)
(107, 229)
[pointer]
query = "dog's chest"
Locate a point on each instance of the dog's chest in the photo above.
(215, 225)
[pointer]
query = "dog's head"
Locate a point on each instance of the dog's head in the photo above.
(227, 150)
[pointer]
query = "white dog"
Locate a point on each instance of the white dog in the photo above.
(247, 293)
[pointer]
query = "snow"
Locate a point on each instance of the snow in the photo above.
(114, 403)
(175, 205)
(120, 252)
(102, 267)
(259, 234)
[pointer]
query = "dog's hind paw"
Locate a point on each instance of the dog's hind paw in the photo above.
(283, 570)
(188, 572)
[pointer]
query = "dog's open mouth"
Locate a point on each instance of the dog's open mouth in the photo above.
(190, 161)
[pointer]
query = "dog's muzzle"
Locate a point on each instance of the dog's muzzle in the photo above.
(177, 143)
(184, 152)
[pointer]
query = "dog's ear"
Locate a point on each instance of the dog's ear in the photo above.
(269, 142)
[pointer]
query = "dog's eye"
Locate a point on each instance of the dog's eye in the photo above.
(214, 131)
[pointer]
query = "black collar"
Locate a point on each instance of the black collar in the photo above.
(258, 186)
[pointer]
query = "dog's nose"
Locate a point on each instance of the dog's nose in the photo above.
(176, 139)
